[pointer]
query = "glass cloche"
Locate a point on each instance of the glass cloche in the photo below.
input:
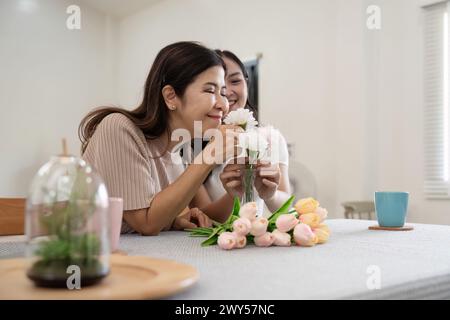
(67, 224)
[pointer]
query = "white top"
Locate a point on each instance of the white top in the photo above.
(280, 155)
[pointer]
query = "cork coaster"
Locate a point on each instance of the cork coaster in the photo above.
(404, 228)
(120, 252)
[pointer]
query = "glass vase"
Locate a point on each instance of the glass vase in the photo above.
(248, 182)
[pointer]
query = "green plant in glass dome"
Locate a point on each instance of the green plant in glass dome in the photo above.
(67, 224)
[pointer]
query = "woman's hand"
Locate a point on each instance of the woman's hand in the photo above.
(267, 179)
(231, 178)
(224, 145)
(191, 218)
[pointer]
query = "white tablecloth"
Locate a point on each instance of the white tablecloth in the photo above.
(410, 264)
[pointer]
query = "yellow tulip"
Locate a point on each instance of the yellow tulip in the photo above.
(322, 235)
(311, 219)
(306, 205)
(324, 227)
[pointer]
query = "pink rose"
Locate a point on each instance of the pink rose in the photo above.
(241, 240)
(242, 226)
(226, 241)
(248, 211)
(304, 236)
(264, 240)
(259, 226)
(281, 239)
(322, 213)
(286, 222)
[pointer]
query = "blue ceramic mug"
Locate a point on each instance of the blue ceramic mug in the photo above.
(391, 208)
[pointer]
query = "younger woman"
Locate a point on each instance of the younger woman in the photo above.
(272, 180)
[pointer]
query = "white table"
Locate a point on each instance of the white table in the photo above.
(411, 264)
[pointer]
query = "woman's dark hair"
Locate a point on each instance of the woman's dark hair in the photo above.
(230, 55)
(177, 65)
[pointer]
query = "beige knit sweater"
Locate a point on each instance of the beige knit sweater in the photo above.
(131, 165)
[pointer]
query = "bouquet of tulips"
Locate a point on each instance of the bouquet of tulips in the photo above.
(302, 226)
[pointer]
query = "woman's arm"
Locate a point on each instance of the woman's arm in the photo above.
(218, 210)
(168, 203)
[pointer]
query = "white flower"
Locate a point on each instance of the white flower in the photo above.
(241, 117)
(254, 143)
(272, 137)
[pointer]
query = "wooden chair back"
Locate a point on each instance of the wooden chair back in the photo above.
(12, 216)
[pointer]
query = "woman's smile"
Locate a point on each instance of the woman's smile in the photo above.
(215, 117)
(233, 103)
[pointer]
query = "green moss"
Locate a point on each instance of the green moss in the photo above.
(69, 242)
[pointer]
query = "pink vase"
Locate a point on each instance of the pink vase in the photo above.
(115, 212)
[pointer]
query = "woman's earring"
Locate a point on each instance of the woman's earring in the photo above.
(172, 108)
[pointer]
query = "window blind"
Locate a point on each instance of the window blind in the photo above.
(436, 100)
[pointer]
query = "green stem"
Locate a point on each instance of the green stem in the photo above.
(248, 184)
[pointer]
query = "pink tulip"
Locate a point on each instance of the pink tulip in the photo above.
(322, 213)
(242, 226)
(304, 236)
(226, 241)
(259, 226)
(248, 211)
(286, 222)
(281, 239)
(241, 240)
(264, 240)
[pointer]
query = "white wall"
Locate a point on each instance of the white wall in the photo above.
(50, 77)
(350, 135)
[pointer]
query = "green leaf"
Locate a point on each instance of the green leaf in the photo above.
(210, 241)
(234, 213)
(271, 227)
(198, 232)
(199, 229)
(203, 228)
(250, 239)
(285, 206)
(217, 231)
(282, 210)
(236, 207)
(199, 235)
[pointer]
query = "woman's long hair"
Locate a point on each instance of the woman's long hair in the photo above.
(177, 65)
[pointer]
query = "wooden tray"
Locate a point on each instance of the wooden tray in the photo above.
(131, 277)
